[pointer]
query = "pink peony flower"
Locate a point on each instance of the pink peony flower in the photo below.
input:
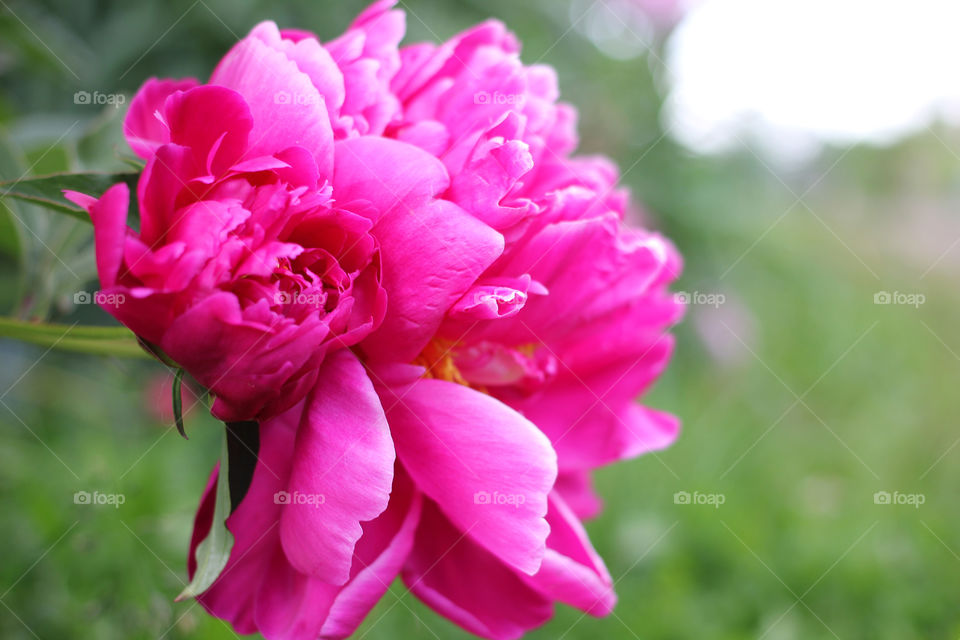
(261, 239)
(389, 258)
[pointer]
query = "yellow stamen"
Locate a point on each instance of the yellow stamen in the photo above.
(437, 359)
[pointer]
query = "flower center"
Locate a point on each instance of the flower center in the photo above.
(437, 359)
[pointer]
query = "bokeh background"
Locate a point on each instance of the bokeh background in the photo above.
(801, 395)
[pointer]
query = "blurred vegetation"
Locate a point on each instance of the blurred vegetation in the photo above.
(800, 397)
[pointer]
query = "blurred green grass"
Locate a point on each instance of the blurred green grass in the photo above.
(798, 550)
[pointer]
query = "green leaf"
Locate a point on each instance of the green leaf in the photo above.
(178, 403)
(214, 550)
(106, 341)
(47, 190)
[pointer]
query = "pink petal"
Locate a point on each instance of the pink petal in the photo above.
(572, 571)
(109, 216)
(589, 409)
(495, 298)
(311, 58)
(214, 122)
(487, 466)
(242, 359)
(429, 135)
(143, 127)
(462, 581)
(344, 459)
(576, 489)
(430, 258)
(590, 268)
(377, 560)
(161, 182)
(290, 605)
(387, 174)
(287, 109)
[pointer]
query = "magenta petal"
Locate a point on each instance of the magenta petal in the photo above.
(290, 605)
(213, 122)
(463, 582)
(109, 217)
(487, 466)
(572, 571)
(591, 268)
(377, 560)
(245, 362)
(143, 127)
(157, 191)
(311, 58)
(387, 174)
(342, 468)
(589, 410)
(495, 298)
(287, 109)
(576, 489)
(431, 256)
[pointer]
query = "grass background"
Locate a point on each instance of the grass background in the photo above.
(800, 397)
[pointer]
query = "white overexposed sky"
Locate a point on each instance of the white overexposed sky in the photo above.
(791, 74)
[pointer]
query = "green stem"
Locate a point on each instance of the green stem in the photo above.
(102, 341)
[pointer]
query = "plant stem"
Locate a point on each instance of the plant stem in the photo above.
(102, 341)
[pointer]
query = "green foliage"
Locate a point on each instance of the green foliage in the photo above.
(47, 191)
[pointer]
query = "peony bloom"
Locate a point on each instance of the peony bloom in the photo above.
(389, 258)
(261, 238)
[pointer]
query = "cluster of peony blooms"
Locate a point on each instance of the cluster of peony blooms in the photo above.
(388, 258)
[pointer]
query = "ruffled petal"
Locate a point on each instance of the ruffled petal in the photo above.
(144, 126)
(342, 471)
(572, 571)
(487, 466)
(377, 560)
(464, 582)
(287, 108)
